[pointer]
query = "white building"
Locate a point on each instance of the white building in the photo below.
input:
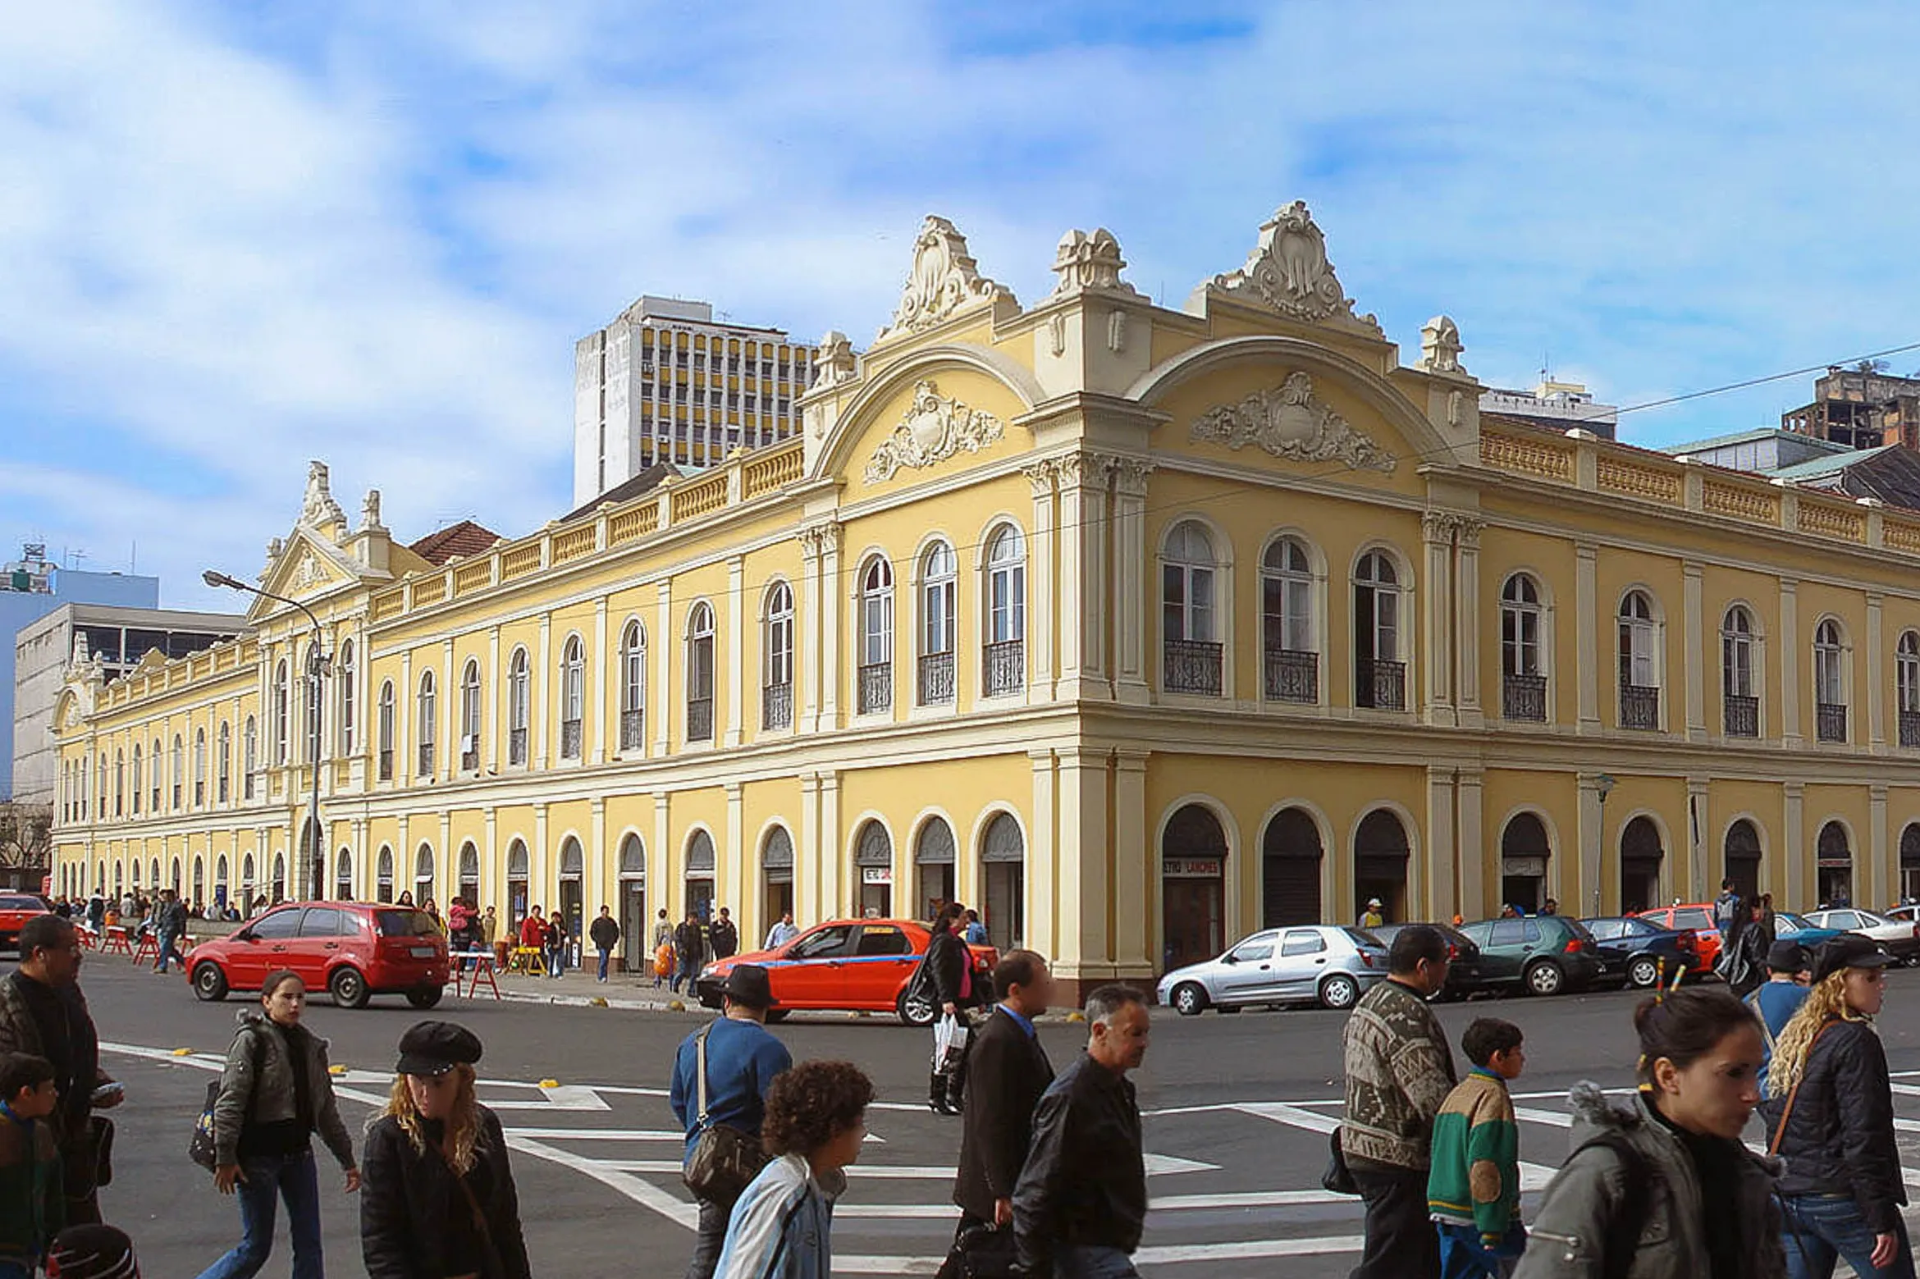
(666, 383)
(1559, 405)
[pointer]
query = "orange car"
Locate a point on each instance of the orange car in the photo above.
(1697, 916)
(846, 963)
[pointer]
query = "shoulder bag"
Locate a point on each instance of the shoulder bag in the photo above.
(725, 1160)
(201, 1147)
(1338, 1178)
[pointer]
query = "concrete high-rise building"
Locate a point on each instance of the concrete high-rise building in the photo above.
(667, 383)
(1559, 406)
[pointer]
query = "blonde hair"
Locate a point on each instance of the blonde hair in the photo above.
(463, 1124)
(1827, 999)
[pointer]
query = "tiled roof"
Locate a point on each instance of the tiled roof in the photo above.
(625, 490)
(465, 538)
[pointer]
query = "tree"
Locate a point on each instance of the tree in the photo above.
(26, 835)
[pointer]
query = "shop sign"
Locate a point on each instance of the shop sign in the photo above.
(876, 874)
(1191, 868)
(1520, 866)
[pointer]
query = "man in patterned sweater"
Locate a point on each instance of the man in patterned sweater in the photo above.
(1399, 1070)
(1473, 1191)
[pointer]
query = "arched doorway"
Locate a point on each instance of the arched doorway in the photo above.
(873, 864)
(1380, 853)
(279, 893)
(1834, 876)
(423, 876)
(1743, 858)
(573, 872)
(633, 903)
(1910, 863)
(1193, 864)
(469, 889)
(776, 868)
(516, 884)
(383, 876)
(343, 876)
(199, 884)
(1523, 863)
(1290, 855)
(247, 882)
(1003, 857)
(933, 861)
(700, 875)
(219, 880)
(312, 866)
(1641, 852)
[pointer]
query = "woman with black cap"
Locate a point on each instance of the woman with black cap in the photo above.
(1830, 1117)
(438, 1200)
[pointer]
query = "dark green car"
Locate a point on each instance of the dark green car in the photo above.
(1543, 954)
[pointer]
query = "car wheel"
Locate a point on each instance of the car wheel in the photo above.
(1188, 999)
(1643, 972)
(777, 1015)
(349, 988)
(1545, 978)
(915, 1012)
(209, 983)
(1339, 991)
(425, 996)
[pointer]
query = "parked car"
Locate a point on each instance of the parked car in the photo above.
(1638, 952)
(1900, 937)
(1329, 963)
(352, 950)
(15, 910)
(1788, 926)
(1464, 974)
(1909, 911)
(1544, 954)
(858, 964)
(1697, 916)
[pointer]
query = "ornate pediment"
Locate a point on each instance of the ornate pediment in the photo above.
(934, 429)
(1290, 422)
(1288, 271)
(318, 508)
(1085, 261)
(945, 281)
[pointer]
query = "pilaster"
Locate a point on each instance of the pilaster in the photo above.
(731, 887)
(406, 710)
(661, 859)
(736, 690)
(540, 862)
(1432, 891)
(831, 863)
(598, 881)
(542, 723)
(1702, 883)
(1880, 872)
(1079, 921)
(1040, 614)
(1475, 855)
(1131, 590)
(1468, 609)
(602, 661)
(1081, 479)
(1794, 871)
(806, 868)
(1586, 620)
(1593, 836)
(490, 703)
(1694, 659)
(1436, 621)
(1872, 690)
(1788, 646)
(665, 640)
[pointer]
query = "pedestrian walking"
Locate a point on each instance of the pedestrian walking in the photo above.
(782, 1227)
(43, 1013)
(439, 1198)
(1399, 1071)
(171, 925)
(1789, 973)
(783, 931)
(97, 911)
(662, 937)
(1829, 1113)
(1661, 1187)
(724, 937)
(605, 935)
(689, 952)
(1372, 916)
(276, 1091)
(32, 1203)
(1007, 1074)
(1473, 1181)
(558, 942)
(945, 976)
(1081, 1199)
(721, 1077)
(1726, 914)
(1743, 957)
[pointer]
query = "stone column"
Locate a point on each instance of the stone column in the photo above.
(736, 694)
(1080, 918)
(1788, 644)
(1135, 870)
(1586, 622)
(664, 640)
(1873, 690)
(1131, 589)
(735, 859)
(1475, 854)
(1431, 890)
(490, 706)
(542, 723)
(1082, 583)
(1593, 839)
(597, 718)
(1467, 610)
(1796, 874)
(1881, 877)
(1701, 884)
(1436, 621)
(661, 859)
(1040, 565)
(1694, 659)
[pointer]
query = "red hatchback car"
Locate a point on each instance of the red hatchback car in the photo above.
(846, 963)
(352, 950)
(15, 910)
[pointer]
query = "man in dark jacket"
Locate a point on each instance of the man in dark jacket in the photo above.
(1007, 1073)
(723, 936)
(689, 952)
(171, 924)
(42, 1012)
(1082, 1194)
(604, 932)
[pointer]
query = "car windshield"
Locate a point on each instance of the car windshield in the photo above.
(1363, 937)
(1794, 922)
(404, 923)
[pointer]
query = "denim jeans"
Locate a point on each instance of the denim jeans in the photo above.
(1464, 1256)
(709, 1238)
(1820, 1228)
(289, 1177)
(606, 957)
(556, 962)
(168, 955)
(685, 970)
(1083, 1262)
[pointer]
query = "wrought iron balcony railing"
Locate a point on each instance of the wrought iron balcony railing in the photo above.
(1292, 675)
(1193, 666)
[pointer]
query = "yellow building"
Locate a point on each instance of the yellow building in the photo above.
(1137, 628)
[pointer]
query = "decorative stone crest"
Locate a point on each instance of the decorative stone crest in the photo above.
(835, 363)
(1288, 270)
(1440, 345)
(935, 429)
(308, 572)
(945, 280)
(1089, 262)
(1290, 422)
(319, 508)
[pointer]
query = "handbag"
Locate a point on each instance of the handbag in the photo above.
(201, 1147)
(1338, 1178)
(725, 1160)
(981, 1252)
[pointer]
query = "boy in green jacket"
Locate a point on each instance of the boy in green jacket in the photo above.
(32, 1201)
(1473, 1186)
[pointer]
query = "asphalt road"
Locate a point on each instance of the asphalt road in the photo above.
(1236, 1111)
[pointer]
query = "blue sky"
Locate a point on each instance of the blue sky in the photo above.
(233, 237)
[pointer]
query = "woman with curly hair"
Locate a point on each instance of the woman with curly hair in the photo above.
(1830, 1116)
(438, 1198)
(782, 1225)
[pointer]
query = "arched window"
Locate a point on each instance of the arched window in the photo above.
(1833, 880)
(470, 875)
(136, 779)
(873, 868)
(158, 780)
(199, 883)
(199, 767)
(423, 875)
(700, 673)
(876, 636)
(1829, 682)
(220, 879)
(516, 883)
(1742, 706)
(383, 870)
(937, 574)
(1003, 875)
(519, 707)
(1006, 665)
(1289, 651)
(119, 782)
(385, 731)
(424, 716)
(1193, 658)
(1910, 862)
(223, 763)
(1639, 664)
(776, 868)
(1907, 680)
(178, 765)
(1743, 857)
(281, 692)
(1523, 689)
(249, 756)
(933, 868)
(699, 878)
(633, 687)
(470, 716)
(343, 876)
(776, 680)
(573, 695)
(1379, 668)
(349, 694)
(310, 704)
(1523, 863)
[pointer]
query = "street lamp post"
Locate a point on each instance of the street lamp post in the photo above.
(318, 664)
(1603, 786)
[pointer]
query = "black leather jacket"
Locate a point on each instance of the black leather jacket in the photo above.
(1085, 1179)
(409, 1199)
(947, 960)
(1839, 1139)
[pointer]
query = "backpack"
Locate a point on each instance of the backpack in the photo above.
(1623, 1230)
(201, 1147)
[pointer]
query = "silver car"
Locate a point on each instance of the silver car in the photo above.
(1322, 963)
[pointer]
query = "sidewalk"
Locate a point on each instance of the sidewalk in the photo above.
(578, 988)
